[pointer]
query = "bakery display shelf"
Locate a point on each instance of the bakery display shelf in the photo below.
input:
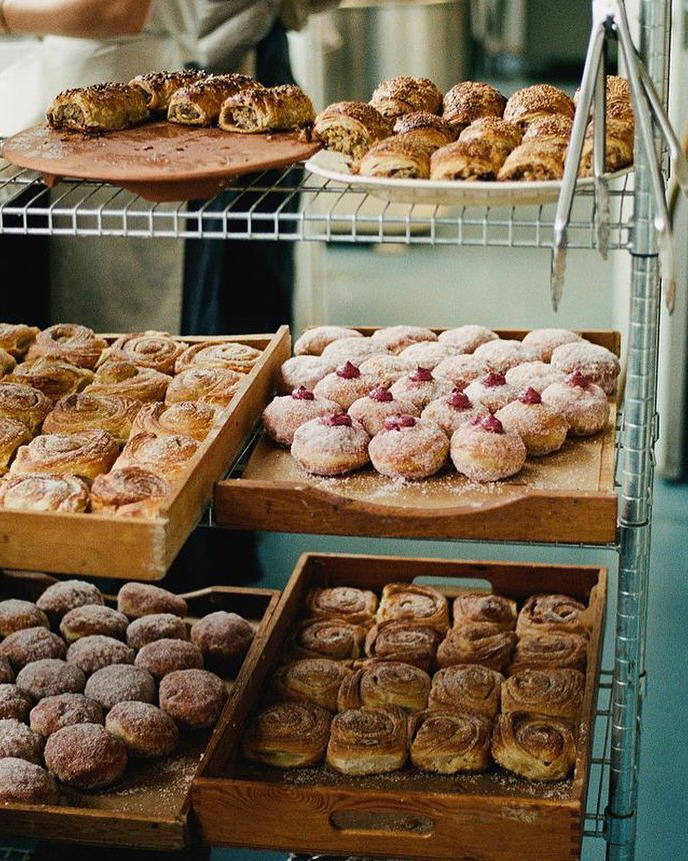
(148, 808)
(409, 814)
(138, 548)
(261, 207)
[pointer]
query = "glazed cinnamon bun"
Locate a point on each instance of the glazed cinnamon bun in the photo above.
(288, 735)
(44, 493)
(407, 642)
(16, 338)
(156, 350)
(342, 602)
(379, 683)
(166, 456)
(188, 418)
(214, 386)
(54, 377)
(70, 343)
(557, 693)
(485, 607)
(336, 639)
(129, 492)
(477, 643)
(466, 688)
(12, 434)
(450, 742)
(82, 412)
(24, 404)
(229, 355)
(118, 377)
(85, 454)
(415, 603)
(534, 746)
(368, 740)
(313, 680)
(549, 613)
(550, 650)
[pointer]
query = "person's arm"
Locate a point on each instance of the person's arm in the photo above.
(88, 19)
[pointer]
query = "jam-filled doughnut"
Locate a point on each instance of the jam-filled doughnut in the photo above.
(467, 339)
(542, 428)
(158, 626)
(31, 644)
(313, 341)
(372, 410)
(420, 387)
(222, 636)
(303, 371)
(16, 615)
(120, 683)
(543, 342)
(331, 445)
(583, 404)
(165, 656)
(194, 698)
(428, 354)
(492, 391)
(386, 369)
(452, 411)
(408, 447)
(354, 350)
(397, 338)
(93, 619)
(344, 386)
(93, 653)
(536, 375)
(143, 599)
(49, 677)
(14, 703)
(23, 782)
(596, 363)
(501, 355)
(64, 596)
(54, 713)
(144, 729)
(284, 414)
(460, 370)
(85, 756)
(483, 451)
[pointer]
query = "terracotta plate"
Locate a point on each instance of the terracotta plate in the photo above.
(160, 161)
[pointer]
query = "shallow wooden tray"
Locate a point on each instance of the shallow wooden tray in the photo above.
(409, 814)
(160, 161)
(149, 806)
(567, 496)
(134, 548)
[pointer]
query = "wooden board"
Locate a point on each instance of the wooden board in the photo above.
(160, 161)
(148, 807)
(491, 817)
(129, 548)
(567, 496)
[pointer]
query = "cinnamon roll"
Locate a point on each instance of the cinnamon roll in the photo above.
(188, 418)
(450, 742)
(533, 161)
(342, 602)
(477, 643)
(7, 363)
(199, 104)
(485, 607)
(313, 680)
(16, 338)
(557, 693)
(408, 642)
(70, 343)
(477, 159)
(466, 688)
(229, 355)
(404, 95)
(156, 350)
(534, 746)
(326, 638)
(85, 454)
(82, 412)
(414, 603)
(288, 735)
(531, 103)
(54, 377)
(350, 128)
(12, 434)
(426, 128)
(166, 456)
(549, 613)
(368, 740)
(470, 101)
(44, 493)
(266, 109)
(157, 88)
(214, 386)
(118, 377)
(380, 683)
(129, 492)
(23, 404)
(398, 157)
(551, 650)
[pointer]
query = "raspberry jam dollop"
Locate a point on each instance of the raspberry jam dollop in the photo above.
(348, 371)
(530, 396)
(421, 375)
(493, 380)
(458, 400)
(381, 394)
(339, 420)
(491, 424)
(399, 422)
(578, 380)
(302, 394)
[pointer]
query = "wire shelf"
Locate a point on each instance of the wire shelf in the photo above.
(293, 205)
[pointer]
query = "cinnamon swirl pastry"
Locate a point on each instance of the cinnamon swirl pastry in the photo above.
(229, 355)
(214, 386)
(288, 735)
(44, 493)
(477, 643)
(550, 613)
(129, 492)
(82, 412)
(557, 693)
(23, 404)
(16, 338)
(404, 95)
(406, 642)
(99, 108)
(266, 109)
(450, 742)
(12, 434)
(368, 740)
(531, 103)
(428, 129)
(188, 418)
(533, 161)
(157, 88)
(381, 683)
(199, 104)
(127, 380)
(484, 607)
(414, 603)
(7, 363)
(350, 128)
(166, 456)
(313, 680)
(534, 746)
(477, 159)
(342, 602)
(85, 454)
(156, 350)
(553, 650)
(470, 101)
(55, 378)
(68, 342)
(398, 157)
(466, 688)
(326, 638)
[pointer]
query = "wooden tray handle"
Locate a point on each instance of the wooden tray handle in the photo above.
(381, 823)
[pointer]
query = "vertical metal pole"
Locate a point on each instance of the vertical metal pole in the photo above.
(636, 498)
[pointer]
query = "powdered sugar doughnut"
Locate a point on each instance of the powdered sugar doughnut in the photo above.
(54, 713)
(62, 597)
(542, 342)
(372, 410)
(144, 729)
(165, 656)
(120, 683)
(428, 354)
(31, 644)
(492, 391)
(346, 385)
(222, 636)
(144, 599)
(535, 375)
(596, 363)
(93, 619)
(397, 338)
(407, 447)
(583, 404)
(50, 677)
(14, 703)
(386, 369)
(22, 782)
(6, 671)
(283, 415)
(17, 740)
(501, 355)
(157, 626)
(193, 697)
(313, 341)
(452, 411)
(354, 350)
(483, 451)
(85, 756)
(467, 339)
(542, 428)
(420, 387)
(302, 371)
(331, 445)
(16, 615)
(93, 653)
(460, 370)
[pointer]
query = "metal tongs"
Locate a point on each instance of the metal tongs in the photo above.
(610, 19)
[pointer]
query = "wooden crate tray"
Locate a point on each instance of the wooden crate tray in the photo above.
(493, 816)
(149, 806)
(134, 548)
(565, 497)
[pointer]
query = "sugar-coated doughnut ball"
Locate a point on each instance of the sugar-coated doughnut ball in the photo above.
(16, 739)
(6, 671)
(22, 782)
(164, 656)
(85, 756)
(483, 451)
(158, 626)
(31, 644)
(95, 652)
(93, 619)
(193, 697)
(16, 615)
(50, 677)
(53, 713)
(64, 596)
(14, 703)
(144, 729)
(142, 599)
(120, 683)
(222, 636)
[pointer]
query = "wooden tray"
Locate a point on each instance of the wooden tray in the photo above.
(149, 807)
(159, 161)
(133, 548)
(409, 814)
(567, 496)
